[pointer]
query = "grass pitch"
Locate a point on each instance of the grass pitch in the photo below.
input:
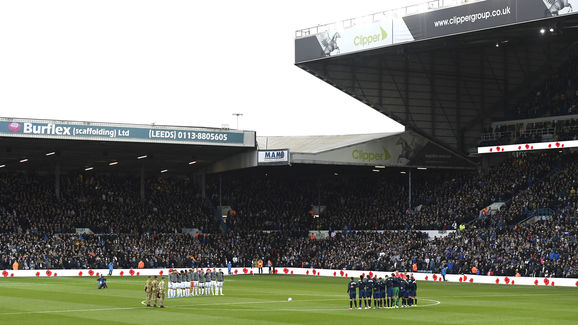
(263, 300)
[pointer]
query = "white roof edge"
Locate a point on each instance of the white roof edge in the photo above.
(318, 143)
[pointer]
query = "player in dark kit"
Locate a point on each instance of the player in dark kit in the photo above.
(389, 288)
(403, 292)
(412, 291)
(376, 295)
(102, 282)
(381, 287)
(352, 290)
(361, 288)
(369, 285)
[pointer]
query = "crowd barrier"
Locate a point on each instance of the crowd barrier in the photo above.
(429, 277)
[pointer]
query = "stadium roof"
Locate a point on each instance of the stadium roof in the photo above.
(87, 148)
(316, 144)
(448, 88)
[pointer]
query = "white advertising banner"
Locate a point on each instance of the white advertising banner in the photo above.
(363, 37)
(273, 157)
(429, 277)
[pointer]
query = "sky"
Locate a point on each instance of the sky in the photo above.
(171, 62)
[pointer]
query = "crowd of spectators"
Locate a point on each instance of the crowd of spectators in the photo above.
(558, 95)
(440, 200)
(530, 132)
(370, 223)
(102, 203)
(546, 248)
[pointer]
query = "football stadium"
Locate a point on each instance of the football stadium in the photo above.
(469, 216)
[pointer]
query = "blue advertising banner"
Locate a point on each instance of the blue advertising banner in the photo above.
(102, 132)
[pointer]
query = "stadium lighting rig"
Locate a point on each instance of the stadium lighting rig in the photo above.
(52, 153)
(142, 157)
(24, 160)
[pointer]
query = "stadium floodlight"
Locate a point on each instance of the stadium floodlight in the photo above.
(192, 162)
(24, 160)
(142, 157)
(403, 173)
(335, 174)
(51, 153)
(497, 44)
(112, 163)
(164, 170)
(2, 166)
(88, 168)
(380, 167)
(375, 170)
(422, 168)
(551, 29)
(542, 31)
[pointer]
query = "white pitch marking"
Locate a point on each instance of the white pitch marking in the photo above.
(200, 305)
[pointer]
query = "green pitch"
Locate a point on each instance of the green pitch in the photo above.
(263, 300)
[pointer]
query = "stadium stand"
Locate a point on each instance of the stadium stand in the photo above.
(38, 230)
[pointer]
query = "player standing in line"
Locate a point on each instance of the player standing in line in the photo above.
(389, 288)
(185, 283)
(175, 284)
(352, 290)
(381, 285)
(195, 277)
(208, 283)
(361, 288)
(370, 289)
(201, 283)
(375, 291)
(170, 285)
(412, 291)
(161, 292)
(367, 294)
(149, 290)
(403, 292)
(220, 281)
(395, 291)
(214, 282)
(183, 280)
(191, 282)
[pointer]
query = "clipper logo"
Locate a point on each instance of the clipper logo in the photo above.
(366, 40)
(371, 156)
(14, 127)
(49, 129)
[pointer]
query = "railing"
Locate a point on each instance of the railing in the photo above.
(417, 8)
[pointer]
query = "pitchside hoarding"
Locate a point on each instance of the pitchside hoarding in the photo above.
(439, 23)
(123, 133)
